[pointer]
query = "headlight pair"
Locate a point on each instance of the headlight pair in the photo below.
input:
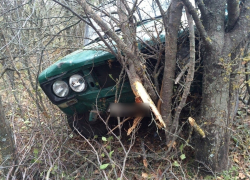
(76, 82)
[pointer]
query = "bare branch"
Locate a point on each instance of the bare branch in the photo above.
(15, 8)
(190, 75)
(105, 28)
(108, 14)
(242, 26)
(172, 24)
(160, 7)
(89, 23)
(202, 7)
(135, 81)
(198, 22)
(4, 71)
(181, 73)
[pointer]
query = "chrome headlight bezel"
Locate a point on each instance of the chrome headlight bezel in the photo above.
(77, 83)
(64, 88)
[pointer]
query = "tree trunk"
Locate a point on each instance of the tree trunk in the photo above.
(213, 150)
(172, 23)
(216, 117)
(6, 141)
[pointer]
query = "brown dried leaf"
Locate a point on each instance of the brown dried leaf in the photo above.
(241, 175)
(236, 159)
(145, 163)
(171, 144)
(144, 175)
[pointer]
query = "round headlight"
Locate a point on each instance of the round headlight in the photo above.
(61, 88)
(77, 83)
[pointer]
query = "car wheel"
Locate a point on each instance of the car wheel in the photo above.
(81, 124)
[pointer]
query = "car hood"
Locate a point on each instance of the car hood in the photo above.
(75, 60)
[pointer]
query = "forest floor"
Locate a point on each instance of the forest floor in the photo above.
(46, 148)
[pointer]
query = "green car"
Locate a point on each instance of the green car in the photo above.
(84, 83)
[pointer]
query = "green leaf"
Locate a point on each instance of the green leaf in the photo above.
(183, 156)
(102, 154)
(110, 153)
(110, 138)
(55, 167)
(108, 147)
(176, 164)
(181, 147)
(110, 75)
(104, 139)
(104, 166)
(35, 151)
(95, 136)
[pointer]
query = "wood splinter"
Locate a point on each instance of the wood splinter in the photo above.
(196, 127)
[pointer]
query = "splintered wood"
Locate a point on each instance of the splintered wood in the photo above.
(196, 127)
(137, 120)
(140, 91)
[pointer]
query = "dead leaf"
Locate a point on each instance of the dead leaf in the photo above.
(236, 159)
(243, 62)
(144, 175)
(145, 163)
(171, 144)
(241, 175)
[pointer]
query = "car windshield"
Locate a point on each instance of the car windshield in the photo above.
(146, 10)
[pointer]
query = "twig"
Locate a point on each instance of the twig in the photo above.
(198, 22)
(190, 75)
(182, 73)
(145, 162)
(119, 125)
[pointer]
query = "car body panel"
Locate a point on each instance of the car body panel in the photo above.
(74, 61)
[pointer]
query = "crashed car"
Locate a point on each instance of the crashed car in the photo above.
(83, 84)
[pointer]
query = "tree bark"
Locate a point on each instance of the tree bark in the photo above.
(172, 23)
(217, 99)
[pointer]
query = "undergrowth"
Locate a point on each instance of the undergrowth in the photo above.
(47, 149)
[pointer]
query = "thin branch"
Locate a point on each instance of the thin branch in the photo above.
(106, 13)
(4, 71)
(190, 8)
(127, 7)
(242, 26)
(134, 7)
(190, 75)
(15, 8)
(202, 7)
(160, 7)
(233, 13)
(105, 28)
(182, 73)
